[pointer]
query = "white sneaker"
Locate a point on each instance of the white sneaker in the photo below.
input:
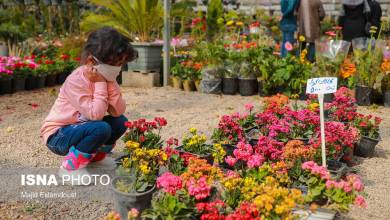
(79, 177)
(108, 163)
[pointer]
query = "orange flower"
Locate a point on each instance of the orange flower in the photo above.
(198, 66)
(385, 66)
(347, 69)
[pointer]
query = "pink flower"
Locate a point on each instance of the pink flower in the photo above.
(231, 173)
(200, 189)
(249, 106)
(329, 184)
(358, 186)
(256, 160)
(360, 201)
(243, 151)
(133, 213)
(288, 46)
(169, 182)
(317, 170)
(231, 161)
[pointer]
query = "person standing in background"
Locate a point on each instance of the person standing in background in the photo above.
(353, 19)
(288, 23)
(310, 14)
(376, 14)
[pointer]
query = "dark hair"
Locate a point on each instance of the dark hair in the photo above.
(108, 46)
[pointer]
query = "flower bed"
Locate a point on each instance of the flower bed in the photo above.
(33, 72)
(269, 179)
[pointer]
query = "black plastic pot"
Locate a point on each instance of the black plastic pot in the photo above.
(124, 202)
(363, 95)
(229, 86)
(40, 82)
(262, 93)
(51, 80)
(31, 83)
(336, 168)
(61, 78)
(328, 97)
(18, 84)
(278, 90)
(248, 87)
(366, 147)
(386, 98)
(5, 86)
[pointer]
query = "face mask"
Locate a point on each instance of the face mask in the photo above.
(110, 73)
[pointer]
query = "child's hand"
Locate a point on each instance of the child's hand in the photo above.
(94, 76)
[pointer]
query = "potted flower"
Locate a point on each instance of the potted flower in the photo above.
(247, 81)
(385, 67)
(22, 70)
(195, 144)
(6, 75)
(211, 55)
(368, 56)
(64, 67)
(31, 80)
(40, 74)
(51, 78)
(330, 55)
(134, 186)
(176, 72)
(368, 127)
(188, 75)
(337, 195)
(144, 28)
(231, 72)
(139, 168)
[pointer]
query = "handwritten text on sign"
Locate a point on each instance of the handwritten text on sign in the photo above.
(323, 85)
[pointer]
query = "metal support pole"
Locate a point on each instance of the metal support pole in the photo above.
(167, 40)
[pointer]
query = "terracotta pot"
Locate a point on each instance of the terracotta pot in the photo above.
(197, 85)
(177, 83)
(188, 85)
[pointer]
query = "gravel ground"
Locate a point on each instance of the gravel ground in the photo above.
(21, 116)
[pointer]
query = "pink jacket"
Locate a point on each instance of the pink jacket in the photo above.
(80, 100)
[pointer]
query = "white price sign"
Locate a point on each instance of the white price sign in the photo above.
(323, 85)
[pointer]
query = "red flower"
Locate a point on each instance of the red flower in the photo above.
(337, 28)
(331, 33)
(129, 124)
(64, 56)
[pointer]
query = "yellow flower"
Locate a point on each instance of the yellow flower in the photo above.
(132, 144)
(294, 96)
(240, 23)
(229, 23)
(164, 156)
(193, 130)
(144, 169)
(313, 106)
(302, 38)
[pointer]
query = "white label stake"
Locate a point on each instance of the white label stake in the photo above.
(321, 86)
(322, 122)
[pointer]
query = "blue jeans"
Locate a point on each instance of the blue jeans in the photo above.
(288, 36)
(87, 137)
